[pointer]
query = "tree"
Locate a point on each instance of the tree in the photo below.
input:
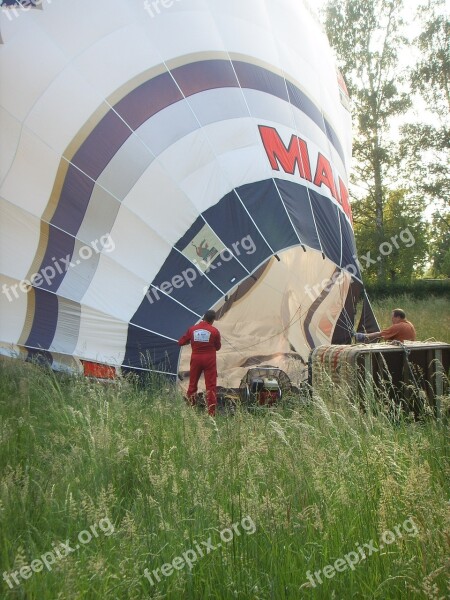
(440, 245)
(431, 76)
(366, 36)
(405, 247)
(425, 146)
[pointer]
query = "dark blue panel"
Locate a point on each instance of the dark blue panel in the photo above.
(295, 197)
(149, 351)
(348, 247)
(45, 320)
(162, 314)
(180, 279)
(263, 202)
(368, 322)
(342, 333)
(225, 271)
(327, 222)
(235, 228)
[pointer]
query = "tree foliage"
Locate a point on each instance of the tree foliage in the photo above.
(440, 244)
(367, 37)
(431, 75)
(404, 248)
(425, 145)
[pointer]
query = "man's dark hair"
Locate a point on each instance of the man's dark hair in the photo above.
(210, 316)
(398, 312)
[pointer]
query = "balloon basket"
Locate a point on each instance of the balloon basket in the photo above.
(413, 376)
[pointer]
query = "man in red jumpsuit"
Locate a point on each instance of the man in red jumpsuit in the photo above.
(205, 341)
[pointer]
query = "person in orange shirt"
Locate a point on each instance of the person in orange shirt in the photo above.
(401, 330)
(205, 342)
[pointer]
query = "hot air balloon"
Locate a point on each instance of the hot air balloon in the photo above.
(165, 157)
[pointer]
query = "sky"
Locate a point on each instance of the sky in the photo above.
(407, 59)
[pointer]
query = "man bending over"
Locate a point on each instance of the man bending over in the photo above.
(400, 330)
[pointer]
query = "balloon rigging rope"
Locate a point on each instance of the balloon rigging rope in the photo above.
(291, 322)
(348, 325)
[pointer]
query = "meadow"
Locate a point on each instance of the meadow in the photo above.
(123, 492)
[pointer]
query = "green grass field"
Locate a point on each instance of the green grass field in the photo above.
(312, 499)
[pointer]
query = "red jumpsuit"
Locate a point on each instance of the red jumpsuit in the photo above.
(205, 341)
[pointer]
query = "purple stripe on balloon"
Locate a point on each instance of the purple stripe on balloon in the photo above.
(56, 259)
(101, 145)
(73, 202)
(205, 75)
(148, 99)
(257, 78)
(45, 320)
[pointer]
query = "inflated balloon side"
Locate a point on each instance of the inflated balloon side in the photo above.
(160, 160)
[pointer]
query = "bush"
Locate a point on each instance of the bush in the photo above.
(420, 288)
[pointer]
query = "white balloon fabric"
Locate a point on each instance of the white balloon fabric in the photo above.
(164, 157)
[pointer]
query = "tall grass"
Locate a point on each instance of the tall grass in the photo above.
(316, 477)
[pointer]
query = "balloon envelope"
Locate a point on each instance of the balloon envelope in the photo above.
(163, 158)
